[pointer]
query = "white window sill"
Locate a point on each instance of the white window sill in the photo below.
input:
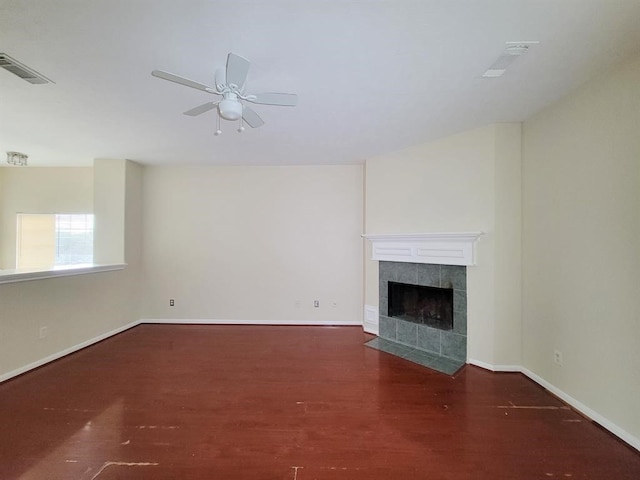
(24, 275)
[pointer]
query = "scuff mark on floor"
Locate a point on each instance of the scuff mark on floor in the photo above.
(124, 464)
(295, 472)
(162, 427)
(534, 407)
(82, 410)
(340, 468)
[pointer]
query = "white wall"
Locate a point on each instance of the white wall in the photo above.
(74, 309)
(39, 190)
(466, 182)
(247, 243)
(581, 246)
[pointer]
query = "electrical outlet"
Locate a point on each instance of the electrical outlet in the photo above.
(43, 332)
(297, 303)
(334, 304)
(557, 357)
(172, 302)
(316, 303)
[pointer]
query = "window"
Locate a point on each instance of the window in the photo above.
(48, 240)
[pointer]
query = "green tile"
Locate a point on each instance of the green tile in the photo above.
(414, 355)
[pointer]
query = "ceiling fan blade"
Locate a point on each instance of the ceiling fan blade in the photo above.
(221, 78)
(199, 110)
(251, 117)
(284, 99)
(237, 69)
(182, 81)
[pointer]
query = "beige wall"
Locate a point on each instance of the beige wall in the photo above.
(74, 309)
(40, 190)
(247, 243)
(581, 245)
(466, 182)
(2, 220)
(109, 183)
(508, 245)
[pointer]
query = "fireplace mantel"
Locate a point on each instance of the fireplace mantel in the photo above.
(437, 248)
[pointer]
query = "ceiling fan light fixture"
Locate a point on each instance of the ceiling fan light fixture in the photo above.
(230, 108)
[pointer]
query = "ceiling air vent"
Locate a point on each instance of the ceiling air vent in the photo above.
(512, 51)
(21, 70)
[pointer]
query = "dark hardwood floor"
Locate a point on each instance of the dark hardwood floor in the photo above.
(286, 403)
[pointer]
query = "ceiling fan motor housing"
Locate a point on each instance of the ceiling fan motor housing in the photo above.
(230, 107)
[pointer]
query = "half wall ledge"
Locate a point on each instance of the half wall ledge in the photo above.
(13, 276)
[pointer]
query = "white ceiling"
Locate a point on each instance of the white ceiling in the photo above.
(371, 76)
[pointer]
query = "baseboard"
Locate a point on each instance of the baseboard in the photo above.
(65, 352)
(495, 368)
(586, 411)
(372, 329)
(215, 321)
(577, 405)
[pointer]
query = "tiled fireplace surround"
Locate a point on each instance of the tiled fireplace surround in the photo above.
(451, 344)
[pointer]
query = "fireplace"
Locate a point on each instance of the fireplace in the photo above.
(445, 336)
(432, 306)
(433, 332)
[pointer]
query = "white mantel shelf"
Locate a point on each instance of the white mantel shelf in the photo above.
(456, 248)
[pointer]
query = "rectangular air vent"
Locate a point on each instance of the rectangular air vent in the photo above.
(21, 70)
(512, 51)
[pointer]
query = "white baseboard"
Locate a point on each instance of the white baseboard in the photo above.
(577, 405)
(586, 411)
(495, 368)
(215, 321)
(65, 352)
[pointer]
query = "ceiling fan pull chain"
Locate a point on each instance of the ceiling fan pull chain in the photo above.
(218, 131)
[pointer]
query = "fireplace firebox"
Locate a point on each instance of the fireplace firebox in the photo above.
(431, 306)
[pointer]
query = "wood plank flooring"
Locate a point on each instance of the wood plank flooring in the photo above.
(286, 403)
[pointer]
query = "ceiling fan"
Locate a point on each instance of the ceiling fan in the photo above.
(230, 84)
